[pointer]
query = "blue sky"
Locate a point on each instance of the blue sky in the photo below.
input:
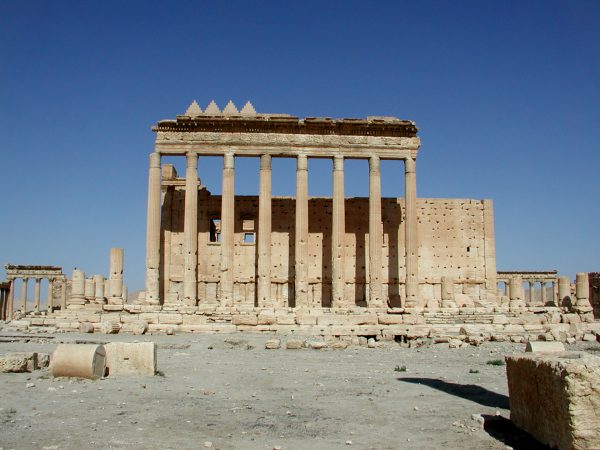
(506, 96)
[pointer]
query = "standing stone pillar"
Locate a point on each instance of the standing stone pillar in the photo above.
(153, 232)
(555, 299)
(375, 230)
(410, 233)
(264, 233)
(36, 295)
(582, 290)
(531, 294)
(301, 232)
(11, 300)
(227, 230)
(63, 294)
(564, 291)
(50, 301)
(544, 294)
(448, 293)
(99, 289)
(115, 276)
(77, 288)
(338, 235)
(89, 290)
(516, 292)
(24, 295)
(190, 231)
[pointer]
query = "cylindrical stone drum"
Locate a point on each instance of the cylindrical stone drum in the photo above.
(564, 289)
(89, 289)
(582, 286)
(78, 360)
(78, 283)
(516, 288)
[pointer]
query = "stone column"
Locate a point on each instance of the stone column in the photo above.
(63, 294)
(555, 299)
(301, 232)
(410, 233)
(531, 294)
(448, 293)
(99, 289)
(264, 233)
(77, 288)
(338, 234)
(544, 294)
(36, 295)
(115, 276)
(190, 231)
(50, 301)
(153, 232)
(89, 290)
(24, 295)
(516, 292)
(564, 291)
(227, 230)
(375, 237)
(582, 289)
(11, 300)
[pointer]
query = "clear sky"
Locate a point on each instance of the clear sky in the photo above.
(506, 96)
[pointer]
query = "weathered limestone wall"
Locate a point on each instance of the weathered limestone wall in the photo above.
(556, 398)
(454, 243)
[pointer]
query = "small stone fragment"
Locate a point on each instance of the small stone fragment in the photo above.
(273, 344)
(293, 344)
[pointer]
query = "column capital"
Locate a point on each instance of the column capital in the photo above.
(301, 162)
(265, 162)
(155, 159)
(410, 165)
(338, 162)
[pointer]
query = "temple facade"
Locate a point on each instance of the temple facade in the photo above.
(306, 252)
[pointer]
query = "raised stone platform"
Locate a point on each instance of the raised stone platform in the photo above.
(471, 324)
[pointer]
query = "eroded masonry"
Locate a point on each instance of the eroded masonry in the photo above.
(307, 252)
(336, 267)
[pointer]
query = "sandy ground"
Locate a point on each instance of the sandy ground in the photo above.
(228, 392)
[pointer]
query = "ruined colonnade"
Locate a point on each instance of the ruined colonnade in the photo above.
(301, 259)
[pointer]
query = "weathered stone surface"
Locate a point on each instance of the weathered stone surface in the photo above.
(110, 327)
(18, 362)
(86, 327)
(131, 358)
(273, 344)
(78, 360)
(556, 398)
(544, 347)
(293, 344)
(139, 327)
(245, 319)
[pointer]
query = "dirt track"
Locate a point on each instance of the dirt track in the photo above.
(229, 391)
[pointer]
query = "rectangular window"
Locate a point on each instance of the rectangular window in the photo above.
(249, 238)
(215, 230)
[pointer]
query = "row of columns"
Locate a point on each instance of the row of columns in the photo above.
(36, 294)
(301, 258)
(561, 291)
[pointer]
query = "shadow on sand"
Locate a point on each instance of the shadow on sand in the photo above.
(471, 392)
(498, 427)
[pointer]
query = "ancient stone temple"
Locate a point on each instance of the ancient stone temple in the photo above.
(306, 252)
(340, 268)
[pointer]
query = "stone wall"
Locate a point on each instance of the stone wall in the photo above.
(454, 243)
(556, 398)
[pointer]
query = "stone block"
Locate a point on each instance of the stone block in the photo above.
(131, 358)
(390, 319)
(171, 319)
(544, 347)
(18, 362)
(306, 319)
(86, 327)
(110, 327)
(266, 318)
(294, 344)
(245, 319)
(273, 344)
(555, 398)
